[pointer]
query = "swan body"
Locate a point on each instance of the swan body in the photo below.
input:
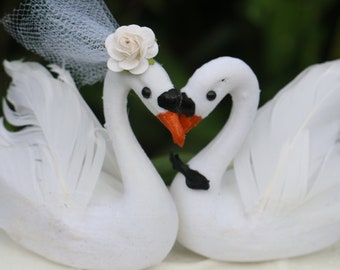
(274, 174)
(72, 191)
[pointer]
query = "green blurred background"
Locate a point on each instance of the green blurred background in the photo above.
(278, 39)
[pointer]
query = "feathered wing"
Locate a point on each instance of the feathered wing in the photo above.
(290, 156)
(56, 157)
(110, 165)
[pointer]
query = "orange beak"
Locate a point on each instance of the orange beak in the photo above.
(172, 122)
(178, 125)
(189, 122)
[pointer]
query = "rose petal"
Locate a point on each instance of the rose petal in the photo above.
(129, 48)
(129, 64)
(152, 51)
(131, 59)
(147, 33)
(141, 68)
(109, 44)
(142, 51)
(113, 65)
(117, 55)
(132, 28)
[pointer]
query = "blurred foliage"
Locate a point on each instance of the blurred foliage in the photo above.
(278, 39)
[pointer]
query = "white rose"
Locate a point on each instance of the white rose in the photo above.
(130, 48)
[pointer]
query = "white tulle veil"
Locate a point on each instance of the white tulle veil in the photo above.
(65, 32)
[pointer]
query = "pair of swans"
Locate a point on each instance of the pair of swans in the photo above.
(273, 185)
(89, 197)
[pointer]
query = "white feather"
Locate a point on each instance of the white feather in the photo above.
(60, 157)
(294, 130)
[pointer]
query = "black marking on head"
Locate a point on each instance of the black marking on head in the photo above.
(187, 106)
(211, 95)
(146, 92)
(177, 102)
(193, 179)
(170, 100)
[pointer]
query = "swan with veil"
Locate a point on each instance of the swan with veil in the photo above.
(70, 190)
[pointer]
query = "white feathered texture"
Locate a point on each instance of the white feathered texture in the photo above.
(68, 33)
(57, 155)
(290, 159)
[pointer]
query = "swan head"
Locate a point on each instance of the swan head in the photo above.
(158, 94)
(131, 49)
(212, 82)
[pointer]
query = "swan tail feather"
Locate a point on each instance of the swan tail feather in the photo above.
(289, 184)
(57, 148)
(291, 136)
(110, 163)
(327, 178)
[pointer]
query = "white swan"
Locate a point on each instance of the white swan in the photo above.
(273, 193)
(55, 198)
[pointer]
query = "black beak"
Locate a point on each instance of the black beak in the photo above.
(177, 102)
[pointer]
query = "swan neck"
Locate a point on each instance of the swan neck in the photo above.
(217, 156)
(134, 165)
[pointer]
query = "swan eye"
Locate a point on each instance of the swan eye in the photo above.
(211, 95)
(146, 92)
